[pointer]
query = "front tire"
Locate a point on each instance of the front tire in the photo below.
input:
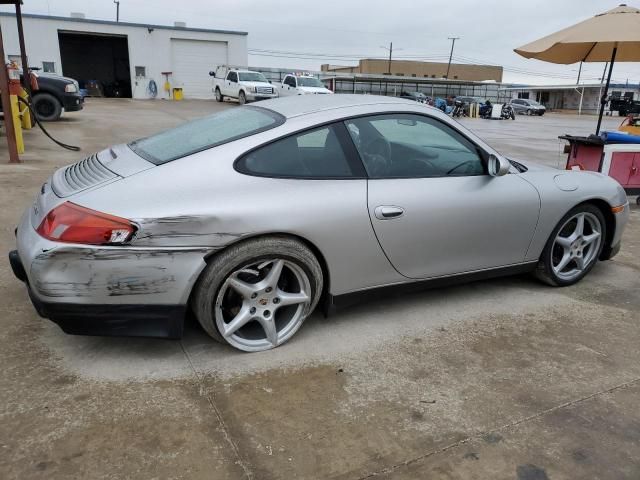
(573, 247)
(219, 96)
(529, 112)
(255, 295)
(47, 107)
(242, 98)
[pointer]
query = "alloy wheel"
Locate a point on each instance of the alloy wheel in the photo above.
(576, 246)
(262, 304)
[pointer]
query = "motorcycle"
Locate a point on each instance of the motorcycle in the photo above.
(458, 109)
(506, 112)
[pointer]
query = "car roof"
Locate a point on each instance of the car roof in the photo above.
(298, 105)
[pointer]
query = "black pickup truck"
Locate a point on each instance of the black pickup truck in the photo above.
(54, 93)
(624, 106)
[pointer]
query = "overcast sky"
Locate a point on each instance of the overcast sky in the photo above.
(301, 34)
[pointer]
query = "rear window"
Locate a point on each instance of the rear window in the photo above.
(205, 133)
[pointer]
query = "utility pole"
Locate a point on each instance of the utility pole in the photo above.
(579, 72)
(117, 10)
(390, 48)
(453, 44)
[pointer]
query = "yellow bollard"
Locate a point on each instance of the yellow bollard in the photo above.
(25, 113)
(177, 93)
(15, 112)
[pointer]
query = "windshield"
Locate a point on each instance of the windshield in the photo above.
(252, 77)
(309, 82)
(206, 132)
(534, 103)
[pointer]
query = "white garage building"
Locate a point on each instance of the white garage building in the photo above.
(120, 59)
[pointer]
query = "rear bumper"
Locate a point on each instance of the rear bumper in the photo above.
(117, 320)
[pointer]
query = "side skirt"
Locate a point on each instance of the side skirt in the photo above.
(334, 302)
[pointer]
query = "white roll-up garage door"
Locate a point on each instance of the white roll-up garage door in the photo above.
(191, 62)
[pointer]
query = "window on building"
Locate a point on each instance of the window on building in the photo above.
(400, 74)
(523, 95)
(413, 75)
(432, 76)
(49, 67)
(455, 77)
(17, 59)
(141, 71)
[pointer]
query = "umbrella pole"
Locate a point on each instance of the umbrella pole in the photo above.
(603, 100)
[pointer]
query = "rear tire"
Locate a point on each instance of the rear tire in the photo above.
(232, 283)
(577, 250)
(219, 96)
(47, 107)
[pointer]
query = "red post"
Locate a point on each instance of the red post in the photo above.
(6, 108)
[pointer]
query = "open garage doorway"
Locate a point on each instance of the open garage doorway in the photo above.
(100, 63)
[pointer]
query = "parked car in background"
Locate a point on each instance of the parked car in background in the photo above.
(415, 96)
(55, 94)
(253, 216)
(242, 85)
(528, 107)
(302, 85)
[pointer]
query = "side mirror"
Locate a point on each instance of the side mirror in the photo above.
(498, 166)
(212, 73)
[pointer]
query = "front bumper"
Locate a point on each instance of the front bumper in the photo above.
(612, 249)
(254, 97)
(72, 102)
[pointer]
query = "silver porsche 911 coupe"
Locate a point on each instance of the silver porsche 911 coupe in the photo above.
(254, 216)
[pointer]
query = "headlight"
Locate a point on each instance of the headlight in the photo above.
(70, 88)
(252, 89)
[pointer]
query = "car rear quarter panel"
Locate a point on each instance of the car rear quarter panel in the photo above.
(202, 202)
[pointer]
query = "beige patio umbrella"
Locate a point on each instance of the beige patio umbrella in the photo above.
(607, 37)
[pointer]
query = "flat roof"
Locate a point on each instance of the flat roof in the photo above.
(374, 77)
(122, 24)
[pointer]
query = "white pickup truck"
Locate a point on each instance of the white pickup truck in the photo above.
(302, 85)
(242, 85)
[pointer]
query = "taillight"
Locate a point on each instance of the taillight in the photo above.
(72, 223)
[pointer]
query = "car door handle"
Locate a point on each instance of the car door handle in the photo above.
(387, 212)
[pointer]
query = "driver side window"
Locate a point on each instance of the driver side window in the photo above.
(413, 146)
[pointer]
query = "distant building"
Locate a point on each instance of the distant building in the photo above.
(121, 58)
(409, 68)
(584, 98)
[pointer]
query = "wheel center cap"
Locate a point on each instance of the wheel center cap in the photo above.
(263, 301)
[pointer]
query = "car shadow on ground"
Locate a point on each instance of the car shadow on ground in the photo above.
(356, 328)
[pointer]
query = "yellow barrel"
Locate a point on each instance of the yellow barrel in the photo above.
(177, 93)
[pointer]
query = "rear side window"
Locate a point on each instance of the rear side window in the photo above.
(314, 153)
(206, 132)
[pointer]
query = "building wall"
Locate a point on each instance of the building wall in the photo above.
(410, 68)
(569, 98)
(149, 49)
